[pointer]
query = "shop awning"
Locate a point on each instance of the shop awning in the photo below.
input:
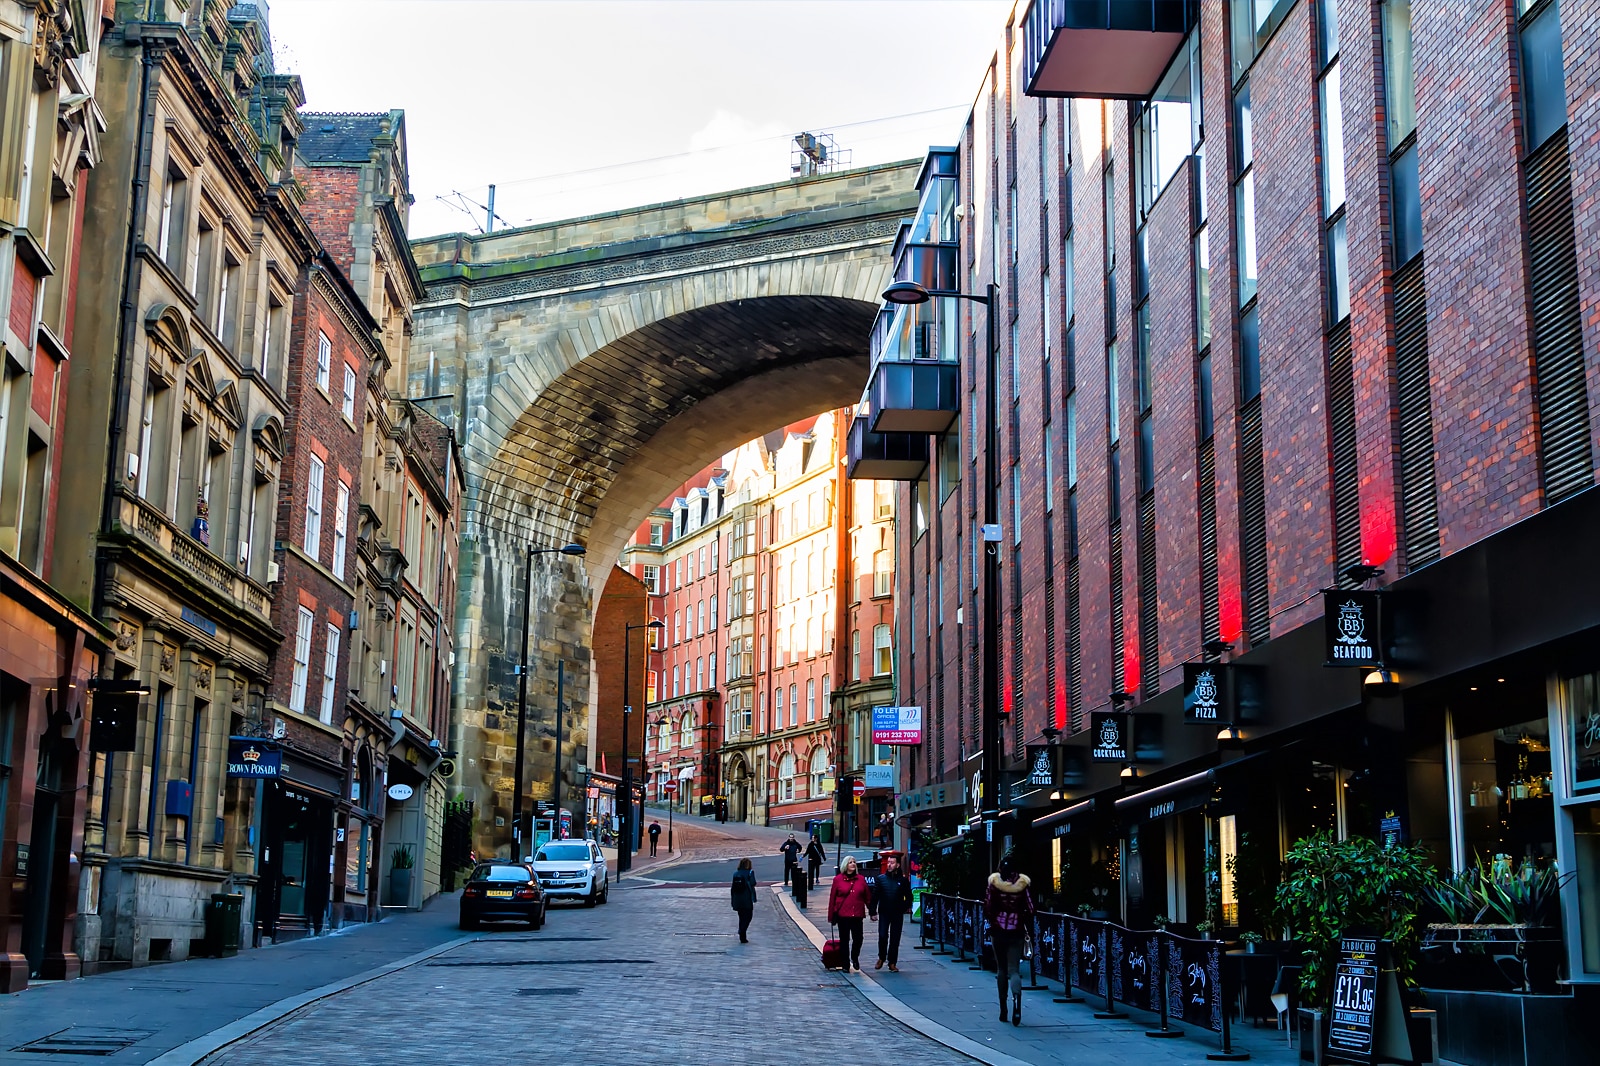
(948, 844)
(1061, 822)
(1184, 794)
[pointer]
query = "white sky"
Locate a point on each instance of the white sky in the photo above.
(576, 107)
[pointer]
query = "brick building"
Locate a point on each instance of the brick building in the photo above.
(405, 528)
(341, 746)
(52, 646)
(1289, 299)
(750, 694)
(620, 624)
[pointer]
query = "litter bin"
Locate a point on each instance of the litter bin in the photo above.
(825, 832)
(222, 923)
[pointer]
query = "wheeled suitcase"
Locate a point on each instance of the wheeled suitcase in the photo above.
(834, 956)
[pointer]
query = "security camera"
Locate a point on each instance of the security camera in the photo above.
(961, 212)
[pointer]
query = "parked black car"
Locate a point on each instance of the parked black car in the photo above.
(502, 892)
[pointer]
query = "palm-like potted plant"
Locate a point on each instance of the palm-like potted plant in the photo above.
(401, 863)
(1492, 910)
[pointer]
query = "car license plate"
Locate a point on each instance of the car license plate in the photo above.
(498, 894)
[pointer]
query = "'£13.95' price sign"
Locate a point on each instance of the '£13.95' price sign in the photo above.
(1355, 994)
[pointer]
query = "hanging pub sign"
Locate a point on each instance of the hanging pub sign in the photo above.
(1351, 623)
(1042, 765)
(1110, 732)
(1202, 692)
(1368, 1023)
(250, 757)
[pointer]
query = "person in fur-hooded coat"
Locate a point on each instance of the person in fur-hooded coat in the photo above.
(1008, 905)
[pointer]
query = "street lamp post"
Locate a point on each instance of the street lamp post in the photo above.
(909, 292)
(522, 691)
(625, 837)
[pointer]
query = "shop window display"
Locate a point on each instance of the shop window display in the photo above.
(1507, 810)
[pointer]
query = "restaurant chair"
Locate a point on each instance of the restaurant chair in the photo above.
(1286, 997)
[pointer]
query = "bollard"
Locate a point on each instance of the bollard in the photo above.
(1166, 1031)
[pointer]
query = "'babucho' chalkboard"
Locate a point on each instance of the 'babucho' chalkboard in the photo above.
(1367, 1023)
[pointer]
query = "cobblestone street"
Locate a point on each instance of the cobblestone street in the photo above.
(658, 975)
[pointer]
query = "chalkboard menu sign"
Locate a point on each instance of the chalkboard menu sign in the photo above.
(1368, 1023)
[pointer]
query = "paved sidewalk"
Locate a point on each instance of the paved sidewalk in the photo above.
(162, 1006)
(949, 998)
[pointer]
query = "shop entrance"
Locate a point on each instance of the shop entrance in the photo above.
(296, 871)
(55, 757)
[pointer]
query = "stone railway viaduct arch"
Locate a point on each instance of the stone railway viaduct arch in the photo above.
(591, 366)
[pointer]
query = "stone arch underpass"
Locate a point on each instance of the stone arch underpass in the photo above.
(591, 366)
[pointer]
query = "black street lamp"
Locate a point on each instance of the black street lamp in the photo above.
(909, 292)
(522, 692)
(625, 798)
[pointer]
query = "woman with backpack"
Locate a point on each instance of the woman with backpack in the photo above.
(1009, 907)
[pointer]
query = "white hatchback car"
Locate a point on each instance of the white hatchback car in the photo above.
(571, 869)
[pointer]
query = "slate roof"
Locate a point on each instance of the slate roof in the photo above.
(339, 137)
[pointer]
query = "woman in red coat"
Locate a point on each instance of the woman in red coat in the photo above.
(848, 903)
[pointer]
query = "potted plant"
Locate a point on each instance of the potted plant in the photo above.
(401, 863)
(1492, 912)
(1251, 941)
(1333, 885)
(1204, 928)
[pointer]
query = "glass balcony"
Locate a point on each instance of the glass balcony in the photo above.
(921, 396)
(938, 193)
(1102, 48)
(884, 456)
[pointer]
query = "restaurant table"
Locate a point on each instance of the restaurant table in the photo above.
(1250, 975)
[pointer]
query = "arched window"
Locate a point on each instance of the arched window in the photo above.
(686, 732)
(786, 778)
(664, 735)
(882, 653)
(819, 769)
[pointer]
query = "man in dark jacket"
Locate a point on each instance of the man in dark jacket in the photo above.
(655, 835)
(891, 902)
(791, 857)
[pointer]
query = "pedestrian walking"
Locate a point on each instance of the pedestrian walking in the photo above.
(655, 835)
(744, 897)
(1008, 905)
(849, 904)
(889, 904)
(791, 856)
(816, 855)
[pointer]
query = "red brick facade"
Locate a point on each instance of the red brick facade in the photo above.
(1486, 426)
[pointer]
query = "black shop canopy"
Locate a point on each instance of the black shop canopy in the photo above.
(1185, 794)
(1061, 823)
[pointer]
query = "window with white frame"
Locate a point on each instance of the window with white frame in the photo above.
(686, 731)
(794, 704)
(700, 674)
(313, 537)
(324, 359)
(711, 669)
(811, 699)
(786, 778)
(664, 736)
(330, 670)
(302, 660)
(677, 677)
(341, 528)
(855, 655)
(819, 769)
(882, 653)
(777, 708)
(347, 403)
(652, 579)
